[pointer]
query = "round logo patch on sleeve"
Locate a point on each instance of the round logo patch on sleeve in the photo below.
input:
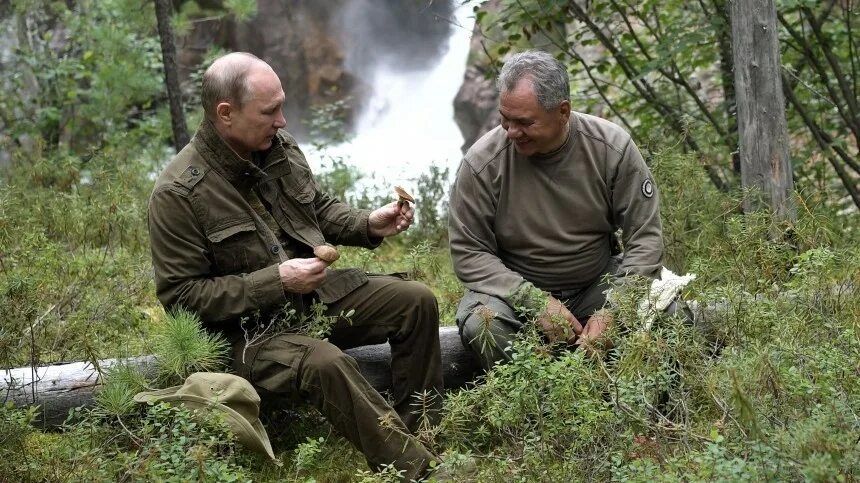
(647, 188)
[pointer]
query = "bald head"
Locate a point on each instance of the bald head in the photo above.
(243, 98)
(227, 80)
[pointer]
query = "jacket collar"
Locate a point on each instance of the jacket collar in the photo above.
(239, 172)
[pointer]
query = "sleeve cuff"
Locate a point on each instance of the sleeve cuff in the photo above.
(528, 300)
(266, 287)
(363, 224)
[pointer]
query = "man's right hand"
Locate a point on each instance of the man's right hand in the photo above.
(302, 275)
(558, 323)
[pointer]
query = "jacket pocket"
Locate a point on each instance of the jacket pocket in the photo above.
(296, 211)
(299, 185)
(232, 246)
(339, 283)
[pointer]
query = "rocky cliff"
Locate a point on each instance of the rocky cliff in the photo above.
(476, 103)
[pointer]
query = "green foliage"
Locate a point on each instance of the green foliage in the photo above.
(338, 178)
(15, 427)
(242, 10)
(664, 70)
(327, 124)
(431, 208)
(83, 71)
(73, 264)
(116, 396)
(182, 445)
(762, 387)
(84, 135)
(183, 347)
(532, 415)
(386, 474)
(307, 455)
(315, 323)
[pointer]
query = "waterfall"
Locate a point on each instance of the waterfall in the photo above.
(408, 124)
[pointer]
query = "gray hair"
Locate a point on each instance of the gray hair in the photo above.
(225, 79)
(547, 75)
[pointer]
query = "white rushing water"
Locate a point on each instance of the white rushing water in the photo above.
(409, 122)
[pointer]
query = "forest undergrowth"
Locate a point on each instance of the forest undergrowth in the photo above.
(763, 387)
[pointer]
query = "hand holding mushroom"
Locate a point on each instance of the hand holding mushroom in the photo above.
(392, 218)
(403, 196)
(326, 253)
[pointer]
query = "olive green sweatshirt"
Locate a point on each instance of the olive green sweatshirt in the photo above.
(549, 219)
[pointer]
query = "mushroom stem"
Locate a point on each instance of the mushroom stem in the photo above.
(403, 197)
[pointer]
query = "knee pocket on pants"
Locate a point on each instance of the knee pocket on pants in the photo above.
(277, 364)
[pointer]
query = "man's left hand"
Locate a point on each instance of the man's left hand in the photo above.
(390, 219)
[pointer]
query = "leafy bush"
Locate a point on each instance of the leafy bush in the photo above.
(15, 427)
(182, 445)
(74, 276)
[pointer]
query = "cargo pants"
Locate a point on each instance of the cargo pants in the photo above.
(386, 309)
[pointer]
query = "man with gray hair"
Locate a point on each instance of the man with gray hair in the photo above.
(534, 210)
(236, 222)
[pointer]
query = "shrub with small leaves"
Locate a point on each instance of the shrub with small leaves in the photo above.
(180, 445)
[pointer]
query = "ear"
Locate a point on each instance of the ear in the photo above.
(564, 110)
(224, 111)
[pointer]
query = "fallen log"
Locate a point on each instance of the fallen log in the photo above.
(61, 387)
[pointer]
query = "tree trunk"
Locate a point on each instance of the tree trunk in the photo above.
(163, 10)
(62, 387)
(766, 170)
(724, 35)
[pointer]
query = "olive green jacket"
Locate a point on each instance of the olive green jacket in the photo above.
(214, 255)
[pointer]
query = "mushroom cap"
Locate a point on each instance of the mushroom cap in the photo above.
(403, 194)
(326, 253)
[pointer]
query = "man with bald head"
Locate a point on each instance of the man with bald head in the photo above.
(233, 221)
(534, 210)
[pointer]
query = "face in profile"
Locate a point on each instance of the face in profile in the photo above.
(531, 128)
(253, 126)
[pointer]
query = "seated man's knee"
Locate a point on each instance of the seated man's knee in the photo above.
(419, 294)
(477, 325)
(483, 327)
(326, 362)
(417, 303)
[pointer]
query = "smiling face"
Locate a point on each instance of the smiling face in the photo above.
(252, 126)
(533, 129)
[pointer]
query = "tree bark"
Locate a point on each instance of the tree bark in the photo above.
(163, 10)
(727, 67)
(59, 388)
(766, 170)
